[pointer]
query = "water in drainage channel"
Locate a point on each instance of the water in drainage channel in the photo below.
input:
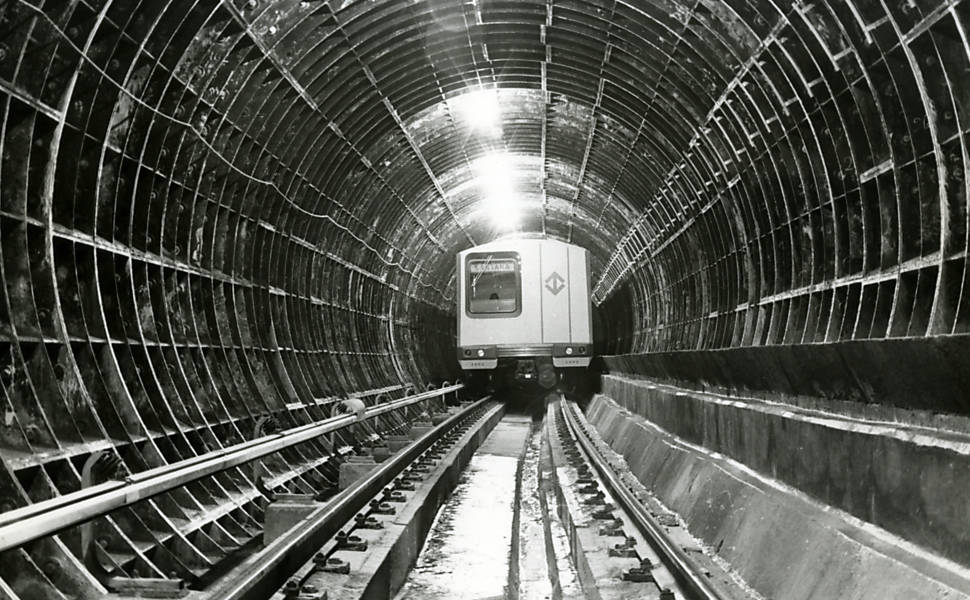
(545, 567)
(468, 551)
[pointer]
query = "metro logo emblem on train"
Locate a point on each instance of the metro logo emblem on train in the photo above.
(555, 283)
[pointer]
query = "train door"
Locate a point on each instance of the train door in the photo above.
(554, 288)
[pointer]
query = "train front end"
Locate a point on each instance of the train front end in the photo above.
(524, 311)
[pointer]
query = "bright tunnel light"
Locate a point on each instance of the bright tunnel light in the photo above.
(480, 110)
(494, 174)
(502, 211)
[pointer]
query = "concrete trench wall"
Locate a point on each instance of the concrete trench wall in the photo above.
(900, 376)
(774, 523)
(390, 576)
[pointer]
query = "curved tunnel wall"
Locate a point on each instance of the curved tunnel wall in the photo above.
(213, 211)
(818, 205)
(152, 251)
(172, 277)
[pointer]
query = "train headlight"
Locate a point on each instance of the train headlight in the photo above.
(476, 353)
(570, 350)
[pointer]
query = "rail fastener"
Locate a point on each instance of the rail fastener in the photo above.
(640, 574)
(378, 507)
(351, 543)
(362, 521)
(614, 529)
(626, 549)
(331, 564)
(687, 574)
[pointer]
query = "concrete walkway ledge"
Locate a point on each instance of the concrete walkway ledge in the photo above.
(772, 489)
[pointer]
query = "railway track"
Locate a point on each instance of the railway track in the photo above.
(504, 506)
(292, 565)
(661, 562)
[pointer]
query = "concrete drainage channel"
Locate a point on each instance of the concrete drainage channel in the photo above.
(372, 553)
(296, 564)
(544, 568)
(495, 537)
(499, 507)
(467, 554)
(531, 519)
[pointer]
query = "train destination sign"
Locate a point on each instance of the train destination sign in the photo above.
(492, 266)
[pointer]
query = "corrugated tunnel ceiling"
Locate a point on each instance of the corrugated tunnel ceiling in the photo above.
(213, 211)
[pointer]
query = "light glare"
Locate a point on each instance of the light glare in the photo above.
(494, 175)
(502, 211)
(481, 111)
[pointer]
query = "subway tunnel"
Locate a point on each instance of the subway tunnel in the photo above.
(216, 212)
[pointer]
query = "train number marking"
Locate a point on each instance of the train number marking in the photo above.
(555, 283)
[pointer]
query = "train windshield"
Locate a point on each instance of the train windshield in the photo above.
(493, 283)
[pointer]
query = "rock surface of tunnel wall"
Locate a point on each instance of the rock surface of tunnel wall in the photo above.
(171, 278)
(822, 199)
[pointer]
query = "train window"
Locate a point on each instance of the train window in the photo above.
(493, 284)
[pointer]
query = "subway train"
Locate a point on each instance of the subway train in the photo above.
(524, 312)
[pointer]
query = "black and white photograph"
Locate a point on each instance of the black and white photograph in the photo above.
(485, 299)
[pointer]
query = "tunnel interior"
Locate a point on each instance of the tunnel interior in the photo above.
(212, 211)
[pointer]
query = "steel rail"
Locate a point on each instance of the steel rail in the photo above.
(28, 523)
(264, 573)
(676, 560)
